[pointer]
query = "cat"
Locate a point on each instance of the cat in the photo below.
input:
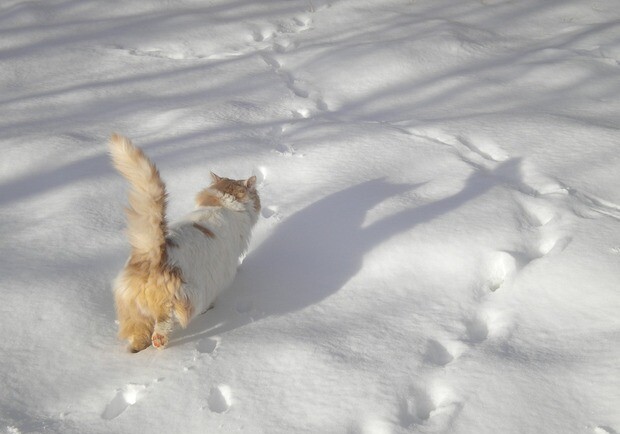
(175, 271)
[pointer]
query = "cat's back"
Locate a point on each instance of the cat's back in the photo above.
(210, 239)
(197, 234)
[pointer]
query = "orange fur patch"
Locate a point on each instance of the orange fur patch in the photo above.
(207, 198)
(231, 187)
(235, 188)
(148, 295)
(183, 310)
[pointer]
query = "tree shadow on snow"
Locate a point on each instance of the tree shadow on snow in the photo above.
(316, 251)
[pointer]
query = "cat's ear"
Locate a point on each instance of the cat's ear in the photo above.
(215, 177)
(251, 182)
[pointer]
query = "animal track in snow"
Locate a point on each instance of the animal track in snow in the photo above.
(598, 205)
(488, 323)
(282, 41)
(602, 429)
(476, 151)
(219, 399)
(274, 135)
(485, 148)
(285, 149)
(208, 345)
(274, 138)
(436, 406)
(476, 329)
(601, 53)
(536, 214)
(296, 24)
(298, 87)
(302, 113)
(153, 52)
(415, 408)
(550, 242)
(553, 245)
(543, 226)
(437, 354)
(283, 45)
(124, 398)
(258, 42)
(182, 54)
(500, 267)
(263, 35)
(303, 23)
(271, 212)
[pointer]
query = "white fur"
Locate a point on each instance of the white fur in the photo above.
(208, 265)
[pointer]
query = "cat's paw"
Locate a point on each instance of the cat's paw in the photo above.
(159, 341)
(138, 343)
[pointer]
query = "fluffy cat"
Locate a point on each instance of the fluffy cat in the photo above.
(176, 271)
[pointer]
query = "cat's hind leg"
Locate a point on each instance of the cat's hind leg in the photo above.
(133, 326)
(163, 327)
(138, 332)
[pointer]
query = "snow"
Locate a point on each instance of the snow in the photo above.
(439, 246)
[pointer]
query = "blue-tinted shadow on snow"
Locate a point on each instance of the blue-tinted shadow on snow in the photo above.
(316, 251)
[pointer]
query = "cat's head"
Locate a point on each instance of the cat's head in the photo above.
(231, 193)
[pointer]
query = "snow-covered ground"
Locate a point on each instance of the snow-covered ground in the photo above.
(439, 249)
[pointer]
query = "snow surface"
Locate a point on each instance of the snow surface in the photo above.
(439, 247)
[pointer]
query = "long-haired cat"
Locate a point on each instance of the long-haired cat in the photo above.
(176, 271)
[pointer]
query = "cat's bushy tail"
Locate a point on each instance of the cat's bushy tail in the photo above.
(146, 213)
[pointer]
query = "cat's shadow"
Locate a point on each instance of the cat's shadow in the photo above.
(315, 252)
(308, 257)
